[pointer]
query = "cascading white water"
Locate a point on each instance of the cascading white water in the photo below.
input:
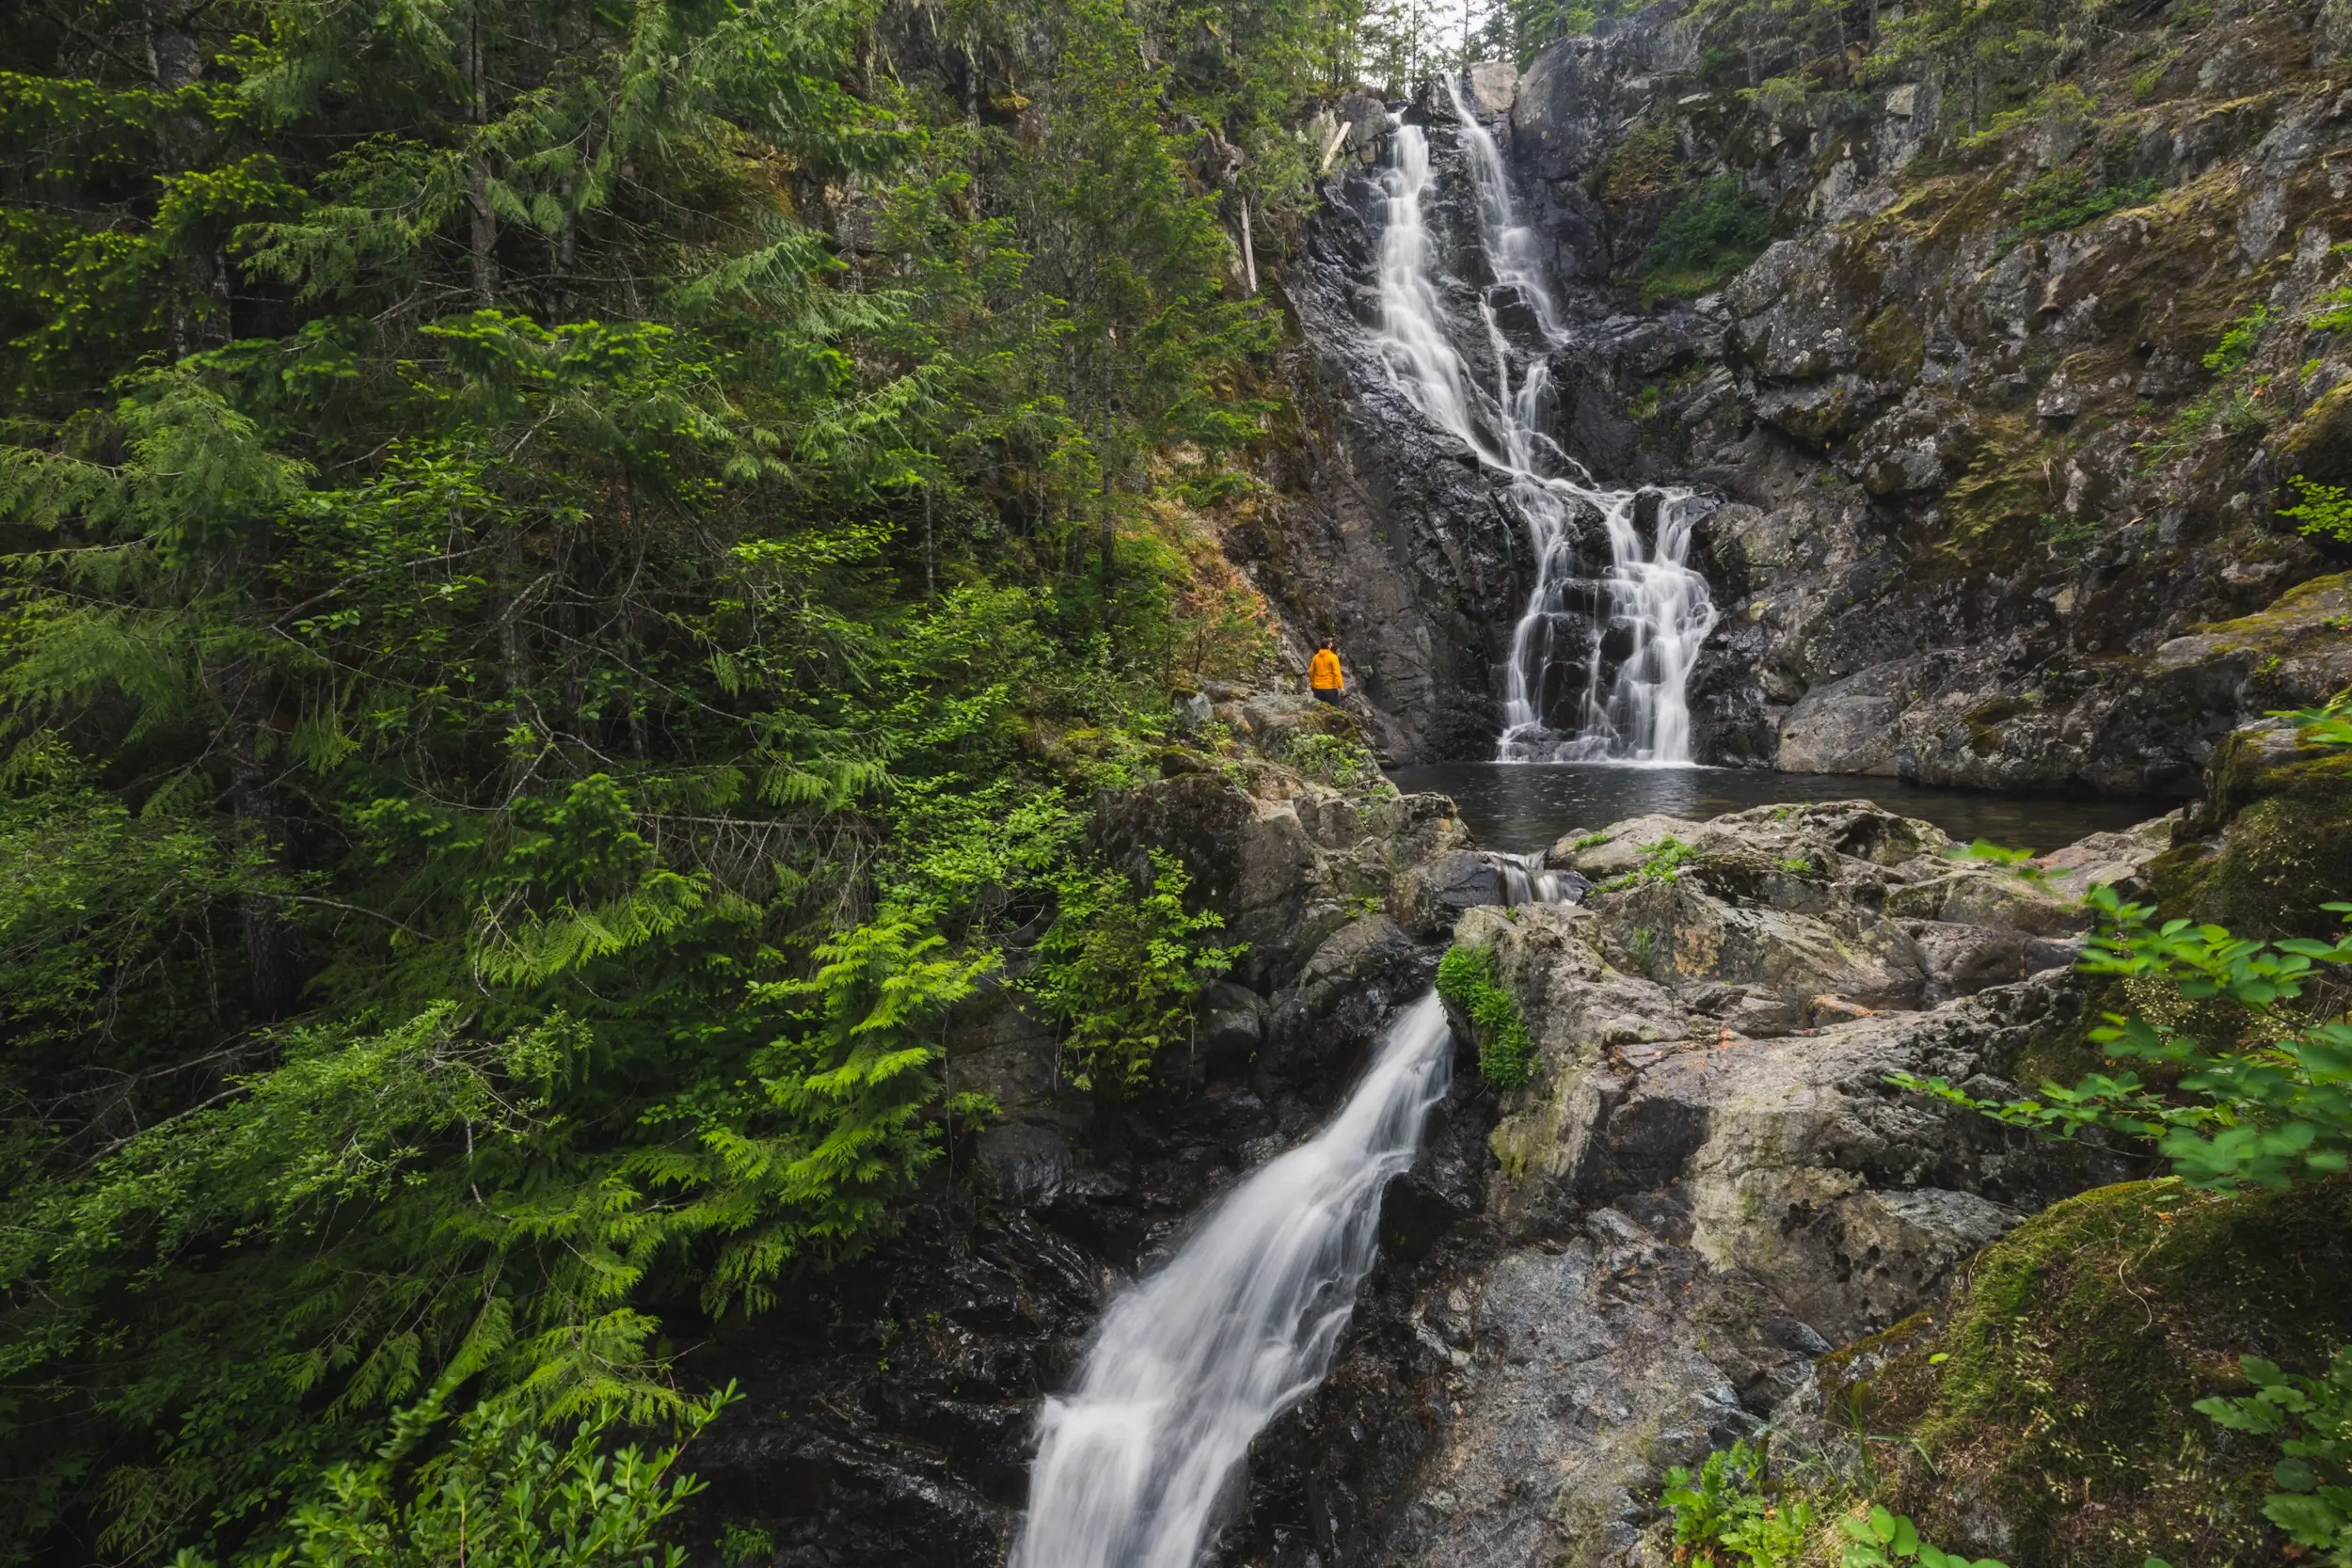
(1657, 607)
(1132, 1466)
(1527, 880)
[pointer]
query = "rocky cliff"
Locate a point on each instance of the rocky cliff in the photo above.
(1705, 1184)
(2002, 417)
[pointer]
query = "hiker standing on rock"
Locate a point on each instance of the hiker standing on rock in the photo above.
(1322, 675)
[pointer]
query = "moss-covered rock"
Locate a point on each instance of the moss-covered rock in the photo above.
(2319, 445)
(2043, 1414)
(2284, 845)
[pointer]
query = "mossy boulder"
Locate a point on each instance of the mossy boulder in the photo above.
(2043, 1414)
(2319, 445)
(2283, 846)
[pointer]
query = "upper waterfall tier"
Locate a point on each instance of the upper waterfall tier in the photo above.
(1601, 654)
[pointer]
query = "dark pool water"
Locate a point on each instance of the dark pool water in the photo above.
(1521, 806)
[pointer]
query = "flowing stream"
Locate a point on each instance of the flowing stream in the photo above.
(1135, 1465)
(1641, 622)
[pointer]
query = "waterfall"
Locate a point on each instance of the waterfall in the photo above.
(1648, 612)
(1526, 879)
(1191, 1363)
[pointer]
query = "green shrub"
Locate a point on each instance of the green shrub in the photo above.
(2068, 199)
(501, 1492)
(2070, 538)
(2323, 511)
(1881, 1539)
(1333, 759)
(1121, 970)
(1725, 1505)
(2237, 346)
(1731, 1506)
(1465, 978)
(2314, 1502)
(1713, 232)
(2270, 1106)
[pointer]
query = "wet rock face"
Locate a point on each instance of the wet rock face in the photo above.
(1707, 1185)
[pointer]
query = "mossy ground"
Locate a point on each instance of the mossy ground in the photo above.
(2050, 1397)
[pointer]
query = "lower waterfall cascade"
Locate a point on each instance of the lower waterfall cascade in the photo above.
(1135, 1464)
(1650, 611)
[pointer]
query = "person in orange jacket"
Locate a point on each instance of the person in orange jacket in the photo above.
(1322, 675)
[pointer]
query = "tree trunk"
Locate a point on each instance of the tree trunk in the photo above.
(483, 230)
(1110, 532)
(272, 969)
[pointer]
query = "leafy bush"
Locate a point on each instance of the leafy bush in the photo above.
(2070, 538)
(1712, 232)
(1881, 1539)
(2238, 343)
(1730, 1505)
(1465, 978)
(2068, 199)
(2273, 1108)
(1121, 969)
(1333, 759)
(1725, 1506)
(2238, 402)
(2313, 1504)
(502, 1493)
(2322, 510)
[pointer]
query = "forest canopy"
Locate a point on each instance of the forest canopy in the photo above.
(564, 564)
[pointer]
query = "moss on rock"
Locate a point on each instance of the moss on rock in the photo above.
(2282, 856)
(2284, 843)
(2319, 445)
(2045, 1411)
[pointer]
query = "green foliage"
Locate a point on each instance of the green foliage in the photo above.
(2270, 1110)
(1466, 979)
(1983, 851)
(1121, 969)
(1334, 760)
(1712, 231)
(743, 1544)
(1726, 1507)
(501, 1493)
(539, 545)
(2313, 1503)
(2068, 198)
(2237, 345)
(1880, 1540)
(1662, 862)
(1996, 60)
(2238, 404)
(1705, 1505)
(2333, 313)
(2323, 511)
(2070, 538)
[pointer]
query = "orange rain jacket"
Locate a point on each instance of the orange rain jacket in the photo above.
(1323, 671)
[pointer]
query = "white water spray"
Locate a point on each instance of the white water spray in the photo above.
(1650, 611)
(1134, 1467)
